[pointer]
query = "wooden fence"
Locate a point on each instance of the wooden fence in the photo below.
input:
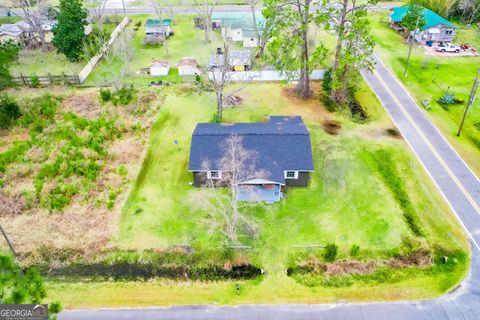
(48, 80)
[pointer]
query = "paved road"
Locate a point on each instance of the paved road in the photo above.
(118, 9)
(460, 187)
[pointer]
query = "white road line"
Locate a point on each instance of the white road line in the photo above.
(436, 155)
(434, 126)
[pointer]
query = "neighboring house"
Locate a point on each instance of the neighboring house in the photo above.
(436, 27)
(159, 68)
(157, 27)
(239, 26)
(10, 31)
(284, 156)
(22, 31)
(188, 67)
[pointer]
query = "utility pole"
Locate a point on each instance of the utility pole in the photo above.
(411, 46)
(8, 241)
(124, 9)
(470, 101)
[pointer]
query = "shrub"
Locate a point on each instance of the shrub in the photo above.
(9, 111)
(216, 118)
(105, 95)
(447, 98)
(122, 171)
(34, 81)
(125, 95)
(39, 112)
(13, 154)
(327, 81)
(476, 124)
(330, 252)
(355, 250)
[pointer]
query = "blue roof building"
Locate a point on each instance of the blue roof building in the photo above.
(283, 156)
(436, 27)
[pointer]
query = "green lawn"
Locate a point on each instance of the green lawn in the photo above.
(346, 203)
(186, 42)
(36, 62)
(430, 77)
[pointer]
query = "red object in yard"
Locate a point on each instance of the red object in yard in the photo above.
(268, 186)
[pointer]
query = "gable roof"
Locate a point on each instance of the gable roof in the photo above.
(432, 19)
(159, 63)
(239, 20)
(158, 22)
(282, 143)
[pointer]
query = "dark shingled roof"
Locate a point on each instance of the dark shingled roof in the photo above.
(282, 144)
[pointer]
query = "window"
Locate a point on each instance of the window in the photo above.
(291, 174)
(449, 32)
(214, 175)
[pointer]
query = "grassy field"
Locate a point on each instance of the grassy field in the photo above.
(186, 42)
(430, 77)
(35, 62)
(347, 203)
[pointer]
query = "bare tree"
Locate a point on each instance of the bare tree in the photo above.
(204, 10)
(164, 6)
(34, 14)
(227, 213)
(98, 13)
(220, 76)
(159, 8)
(124, 49)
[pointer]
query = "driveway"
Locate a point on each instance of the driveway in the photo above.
(457, 183)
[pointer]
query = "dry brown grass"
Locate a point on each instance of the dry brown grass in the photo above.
(86, 226)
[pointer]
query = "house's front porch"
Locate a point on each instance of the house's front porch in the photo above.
(269, 193)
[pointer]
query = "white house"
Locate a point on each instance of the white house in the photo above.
(159, 68)
(250, 39)
(188, 67)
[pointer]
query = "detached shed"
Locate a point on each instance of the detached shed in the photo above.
(240, 60)
(188, 67)
(159, 68)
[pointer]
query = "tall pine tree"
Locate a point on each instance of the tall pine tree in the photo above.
(69, 32)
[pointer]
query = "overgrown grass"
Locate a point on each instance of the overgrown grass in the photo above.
(348, 202)
(430, 77)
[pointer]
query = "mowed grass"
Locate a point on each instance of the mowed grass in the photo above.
(430, 77)
(186, 42)
(347, 202)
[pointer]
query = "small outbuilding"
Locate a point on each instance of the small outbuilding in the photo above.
(240, 60)
(217, 61)
(159, 68)
(188, 67)
(436, 28)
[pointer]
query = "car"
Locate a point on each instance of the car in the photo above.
(447, 47)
